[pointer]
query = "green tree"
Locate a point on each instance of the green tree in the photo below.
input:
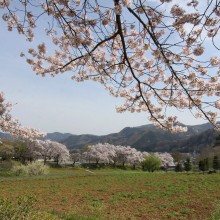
(177, 156)
(178, 167)
(188, 165)
(6, 151)
(215, 163)
(151, 163)
(201, 165)
(21, 151)
(206, 162)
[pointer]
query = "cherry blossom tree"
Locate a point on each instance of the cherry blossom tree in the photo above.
(41, 149)
(59, 152)
(135, 157)
(166, 159)
(28, 147)
(112, 154)
(98, 153)
(75, 156)
(12, 126)
(108, 153)
(156, 55)
(123, 153)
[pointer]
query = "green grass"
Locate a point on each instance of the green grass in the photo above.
(117, 194)
(216, 213)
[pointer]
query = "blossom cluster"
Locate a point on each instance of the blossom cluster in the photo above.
(158, 59)
(12, 126)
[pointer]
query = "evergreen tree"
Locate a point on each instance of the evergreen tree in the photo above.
(187, 165)
(206, 163)
(201, 165)
(178, 167)
(215, 163)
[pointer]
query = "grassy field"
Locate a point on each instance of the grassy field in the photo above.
(113, 194)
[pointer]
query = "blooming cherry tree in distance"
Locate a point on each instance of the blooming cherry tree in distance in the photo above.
(156, 55)
(166, 159)
(41, 149)
(112, 154)
(135, 157)
(75, 156)
(97, 153)
(59, 152)
(47, 150)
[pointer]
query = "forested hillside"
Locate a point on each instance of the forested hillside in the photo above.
(144, 138)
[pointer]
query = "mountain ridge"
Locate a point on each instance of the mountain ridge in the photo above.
(144, 138)
(149, 138)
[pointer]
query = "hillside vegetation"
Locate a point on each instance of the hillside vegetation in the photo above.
(149, 138)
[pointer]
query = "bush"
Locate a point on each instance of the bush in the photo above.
(32, 169)
(37, 168)
(19, 170)
(5, 165)
(151, 163)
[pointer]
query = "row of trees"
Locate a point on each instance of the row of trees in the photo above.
(33, 150)
(98, 153)
(111, 154)
(204, 164)
(185, 166)
(207, 163)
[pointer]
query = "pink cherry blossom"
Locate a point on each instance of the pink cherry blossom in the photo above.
(155, 56)
(12, 126)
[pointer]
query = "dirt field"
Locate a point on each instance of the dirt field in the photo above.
(120, 194)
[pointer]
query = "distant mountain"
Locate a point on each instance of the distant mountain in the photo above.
(144, 138)
(57, 136)
(151, 139)
(5, 136)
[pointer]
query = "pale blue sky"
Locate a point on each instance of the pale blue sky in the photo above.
(60, 104)
(56, 104)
